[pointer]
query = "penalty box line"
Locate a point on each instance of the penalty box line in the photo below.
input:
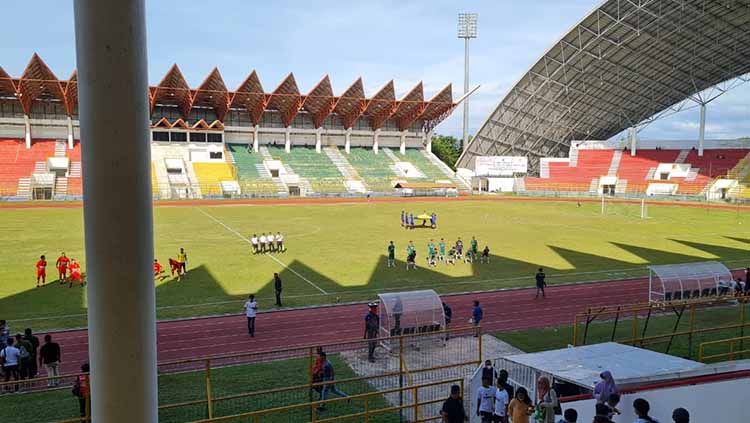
(240, 236)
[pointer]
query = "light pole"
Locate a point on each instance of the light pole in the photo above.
(467, 29)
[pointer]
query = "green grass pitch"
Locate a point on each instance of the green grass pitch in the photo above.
(341, 249)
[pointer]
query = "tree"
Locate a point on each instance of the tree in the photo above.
(445, 147)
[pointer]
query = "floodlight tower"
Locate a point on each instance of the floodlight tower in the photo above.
(467, 29)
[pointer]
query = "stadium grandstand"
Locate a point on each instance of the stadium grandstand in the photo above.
(622, 67)
(212, 142)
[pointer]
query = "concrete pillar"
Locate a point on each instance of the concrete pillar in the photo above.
(402, 147)
(319, 140)
(256, 128)
(348, 140)
(702, 130)
(70, 133)
(111, 60)
(633, 140)
(27, 126)
(288, 139)
(375, 141)
(428, 145)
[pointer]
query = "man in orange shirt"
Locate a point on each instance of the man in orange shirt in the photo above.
(158, 270)
(75, 273)
(62, 267)
(41, 271)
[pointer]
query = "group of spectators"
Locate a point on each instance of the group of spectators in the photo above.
(267, 243)
(736, 287)
(502, 404)
(22, 355)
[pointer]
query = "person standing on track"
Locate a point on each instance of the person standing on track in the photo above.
(540, 282)
(277, 288)
(41, 271)
(49, 357)
(251, 308)
(62, 267)
(448, 313)
(392, 254)
(476, 317)
(372, 327)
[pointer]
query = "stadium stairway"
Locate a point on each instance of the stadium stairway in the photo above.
(253, 177)
(317, 172)
(376, 170)
(447, 171)
(352, 180)
(637, 170)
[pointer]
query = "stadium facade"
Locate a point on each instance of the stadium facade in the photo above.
(39, 105)
(622, 65)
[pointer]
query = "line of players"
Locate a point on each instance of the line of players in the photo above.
(68, 270)
(267, 243)
(437, 253)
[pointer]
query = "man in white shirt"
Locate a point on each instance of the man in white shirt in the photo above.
(251, 309)
(263, 243)
(486, 400)
(10, 356)
(254, 242)
(501, 403)
(269, 242)
(279, 242)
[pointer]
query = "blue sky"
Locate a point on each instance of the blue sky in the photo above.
(407, 41)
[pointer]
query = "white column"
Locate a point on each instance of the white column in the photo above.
(633, 140)
(117, 208)
(465, 138)
(428, 146)
(288, 139)
(319, 140)
(70, 133)
(402, 147)
(348, 140)
(375, 141)
(702, 130)
(256, 128)
(27, 131)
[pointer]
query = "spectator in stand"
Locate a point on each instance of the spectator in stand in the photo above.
(488, 371)
(9, 358)
(81, 389)
(502, 377)
(546, 401)
(570, 416)
(251, 308)
(520, 407)
(453, 408)
(49, 357)
(641, 408)
(680, 415)
(476, 317)
(500, 414)
(486, 400)
(540, 282)
(24, 355)
(605, 387)
(277, 288)
(34, 341)
(4, 333)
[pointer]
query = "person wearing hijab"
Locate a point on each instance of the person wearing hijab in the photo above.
(605, 388)
(546, 401)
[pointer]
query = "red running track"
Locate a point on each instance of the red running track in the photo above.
(503, 310)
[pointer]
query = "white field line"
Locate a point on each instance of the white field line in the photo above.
(240, 236)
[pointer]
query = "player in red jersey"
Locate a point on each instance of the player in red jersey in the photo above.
(75, 273)
(62, 267)
(174, 267)
(41, 271)
(159, 270)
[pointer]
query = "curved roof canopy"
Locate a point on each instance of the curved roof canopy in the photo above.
(623, 63)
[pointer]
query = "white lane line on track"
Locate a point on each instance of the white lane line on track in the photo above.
(240, 236)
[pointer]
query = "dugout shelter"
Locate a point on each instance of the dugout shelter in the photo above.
(687, 280)
(410, 313)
